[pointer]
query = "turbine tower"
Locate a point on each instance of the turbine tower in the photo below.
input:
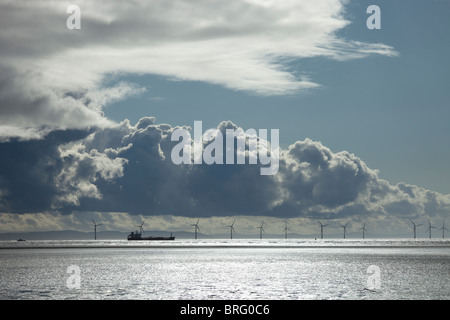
(286, 229)
(196, 228)
(232, 229)
(443, 229)
(321, 228)
(430, 227)
(141, 229)
(364, 230)
(414, 227)
(345, 228)
(261, 229)
(95, 228)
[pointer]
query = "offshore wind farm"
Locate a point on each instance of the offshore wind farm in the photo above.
(349, 230)
(262, 264)
(357, 235)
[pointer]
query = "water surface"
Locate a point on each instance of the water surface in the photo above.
(225, 269)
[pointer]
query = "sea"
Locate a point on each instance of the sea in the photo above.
(225, 269)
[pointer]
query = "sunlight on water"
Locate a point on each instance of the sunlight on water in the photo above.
(225, 269)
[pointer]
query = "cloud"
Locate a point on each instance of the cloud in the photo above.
(81, 170)
(127, 168)
(29, 169)
(65, 156)
(51, 76)
(316, 178)
(29, 108)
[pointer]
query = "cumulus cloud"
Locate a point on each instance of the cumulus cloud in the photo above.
(317, 179)
(128, 168)
(81, 170)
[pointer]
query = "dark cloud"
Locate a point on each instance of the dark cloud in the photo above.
(317, 180)
(128, 168)
(28, 171)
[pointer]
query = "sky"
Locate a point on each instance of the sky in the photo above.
(87, 115)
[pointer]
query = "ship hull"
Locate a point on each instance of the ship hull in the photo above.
(151, 239)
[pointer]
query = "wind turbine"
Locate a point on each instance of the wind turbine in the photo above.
(321, 228)
(286, 229)
(232, 229)
(95, 228)
(414, 227)
(261, 229)
(141, 229)
(345, 228)
(443, 229)
(430, 227)
(196, 228)
(363, 229)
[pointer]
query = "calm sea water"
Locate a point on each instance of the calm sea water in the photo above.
(225, 269)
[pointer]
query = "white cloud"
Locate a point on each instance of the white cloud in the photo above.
(30, 107)
(237, 44)
(53, 71)
(80, 172)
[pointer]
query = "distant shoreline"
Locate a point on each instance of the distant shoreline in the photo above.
(227, 244)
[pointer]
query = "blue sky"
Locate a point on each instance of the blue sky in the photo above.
(362, 114)
(390, 111)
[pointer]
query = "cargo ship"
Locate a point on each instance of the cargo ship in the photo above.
(138, 236)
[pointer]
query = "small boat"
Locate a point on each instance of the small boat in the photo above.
(20, 239)
(138, 236)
